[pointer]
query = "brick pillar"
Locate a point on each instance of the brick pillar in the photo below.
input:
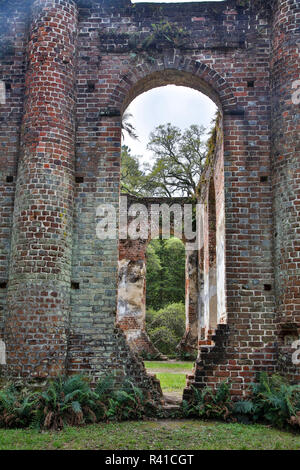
(131, 311)
(286, 167)
(189, 342)
(40, 266)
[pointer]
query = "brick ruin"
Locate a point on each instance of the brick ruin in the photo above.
(68, 70)
(131, 309)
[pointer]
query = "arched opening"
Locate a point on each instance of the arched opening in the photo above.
(199, 296)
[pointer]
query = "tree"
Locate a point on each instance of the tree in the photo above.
(165, 273)
(135, 179)
(179, 158)
(131, 174)
(166, 327)
(178, 162)
(128, 127)
(173, 259)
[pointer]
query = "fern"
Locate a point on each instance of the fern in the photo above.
(16, 407)
(273, 400)
(208, 403)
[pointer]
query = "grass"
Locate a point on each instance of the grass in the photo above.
(169, 365)
(169, 374)
(149, 435)
(171, 382)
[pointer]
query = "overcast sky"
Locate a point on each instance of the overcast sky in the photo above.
(179, 105)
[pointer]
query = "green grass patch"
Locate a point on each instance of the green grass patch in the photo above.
(171, 382)
(160, 435)
(169, 365)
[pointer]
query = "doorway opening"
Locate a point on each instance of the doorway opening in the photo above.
(165, 133)
(166, 314)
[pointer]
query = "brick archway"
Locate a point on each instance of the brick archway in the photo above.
(177, 70)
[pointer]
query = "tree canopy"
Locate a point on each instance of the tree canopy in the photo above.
(179, 158)
(177, 163)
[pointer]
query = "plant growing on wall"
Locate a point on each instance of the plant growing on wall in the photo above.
(164, 35)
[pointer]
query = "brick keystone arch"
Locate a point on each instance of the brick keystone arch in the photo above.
(178, 71)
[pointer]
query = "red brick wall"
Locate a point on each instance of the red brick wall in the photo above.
(39, 283)
(13, 40)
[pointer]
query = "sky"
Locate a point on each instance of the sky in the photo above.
(178, 105)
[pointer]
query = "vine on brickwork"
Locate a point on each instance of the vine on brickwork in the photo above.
(163, 35)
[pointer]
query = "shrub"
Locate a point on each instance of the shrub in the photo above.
(70, 400)
(130, 402)
(103, 391)
(166, 327)
(186, 356)
(147, 356)
(17, 407)
(273, 400)
(208, 403)
(66, 400)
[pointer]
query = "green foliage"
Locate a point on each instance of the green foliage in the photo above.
(128, 403)
(179, 158)
(186, 356)
(128, 127)
(163, 34)
(66, 400)
(154, 276)
(243, 411)
(178, 161)
(207, 403)
(147, 356)
(166, 327)
(273, 400)
(103, 391)
(134, 179)
(16, 407)
(165, 273)
(70, 400)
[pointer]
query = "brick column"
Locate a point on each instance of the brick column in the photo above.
(189, 342)
(131, 311)
(286, 165)
(40, 266)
